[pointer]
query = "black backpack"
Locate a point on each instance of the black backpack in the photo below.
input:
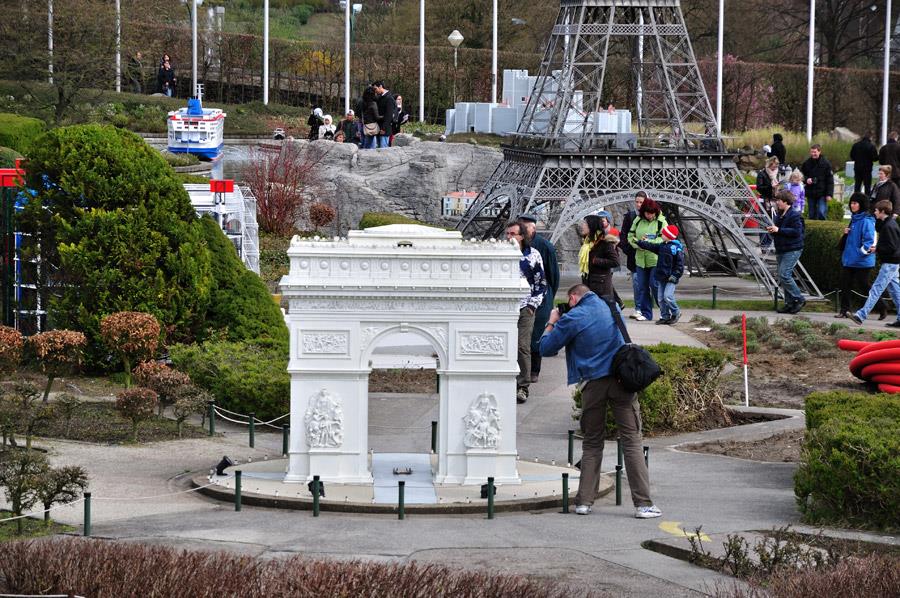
(632, 365)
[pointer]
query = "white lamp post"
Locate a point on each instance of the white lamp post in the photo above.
(194, 4)
(421, 60)
(494, 58)
(50, 40)
(455, 38)
(810, 71)
(347, 10)
(887, 73)
(719, 66)
(265, 81)
(118, 46)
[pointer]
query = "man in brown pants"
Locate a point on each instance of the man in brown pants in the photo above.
(591, 338)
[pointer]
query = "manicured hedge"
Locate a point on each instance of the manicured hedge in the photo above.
(372, 219)
(850, 464)
(8, 157)
(243, 376)
(18, 132)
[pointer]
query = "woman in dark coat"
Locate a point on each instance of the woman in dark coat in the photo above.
(598, 256)
(370, 116)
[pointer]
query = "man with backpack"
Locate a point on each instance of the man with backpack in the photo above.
(588, 328)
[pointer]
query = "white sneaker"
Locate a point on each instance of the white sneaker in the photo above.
(640, 318)
(583, 510)
(634, 315)
(647, 512)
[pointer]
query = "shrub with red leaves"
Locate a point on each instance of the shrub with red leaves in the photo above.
(161, 379)
(136, 404)
(132, 335)
(58, 352)
(321, 214)
(11, 343)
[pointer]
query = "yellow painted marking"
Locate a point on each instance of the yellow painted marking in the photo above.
(674, 528)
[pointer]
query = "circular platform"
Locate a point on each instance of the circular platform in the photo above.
(262, 485)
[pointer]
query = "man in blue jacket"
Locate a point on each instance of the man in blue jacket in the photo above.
(787, 232)
(591, 338)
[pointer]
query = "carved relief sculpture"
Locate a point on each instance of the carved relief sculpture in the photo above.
(325, 342)
(482, 423)
(325, 421)
(481, 344)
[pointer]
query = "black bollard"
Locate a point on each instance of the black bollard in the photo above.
(211, 405)
(285, 436)
(619, 456)
(316, 496)
(434, 437)
(618, 485)
(252, 429)
(571, 453)
(490, 498)
(87, 513)
(715, 290)
(237, 490)
(565, 482)
(401, 510)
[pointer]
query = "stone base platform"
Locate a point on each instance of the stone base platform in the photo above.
(262, 485)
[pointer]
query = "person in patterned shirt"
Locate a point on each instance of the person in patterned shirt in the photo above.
(531, 268)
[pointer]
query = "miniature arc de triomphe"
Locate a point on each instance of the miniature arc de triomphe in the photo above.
(346, 294)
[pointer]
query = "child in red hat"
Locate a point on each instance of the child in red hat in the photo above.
(668, 271)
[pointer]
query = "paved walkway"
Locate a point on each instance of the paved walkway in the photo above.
(602, 552)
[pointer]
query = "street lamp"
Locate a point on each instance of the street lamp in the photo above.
(350, 12)
(194, 4)
(265, 77)
(456, 39)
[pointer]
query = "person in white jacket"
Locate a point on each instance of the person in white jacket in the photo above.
(326, 131)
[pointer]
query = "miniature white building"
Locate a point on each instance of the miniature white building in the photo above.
(347, 294)
(504, 118)
(236, 214)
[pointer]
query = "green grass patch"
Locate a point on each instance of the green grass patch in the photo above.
(32, 528)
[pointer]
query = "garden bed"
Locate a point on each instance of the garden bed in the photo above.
(788, 359)
(33, 528)
(98, 421)
(783, 447)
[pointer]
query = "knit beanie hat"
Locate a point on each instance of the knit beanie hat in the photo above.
(670, 232)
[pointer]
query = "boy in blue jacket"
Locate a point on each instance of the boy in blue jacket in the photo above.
(668, 271)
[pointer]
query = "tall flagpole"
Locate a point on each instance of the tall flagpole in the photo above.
(810, 70)
(421, 60)
(118, 46)
(885, 107)
(50, 40)
(265, 81)
(193, 92)
(719, 66)
(347, 9)
(494, 58)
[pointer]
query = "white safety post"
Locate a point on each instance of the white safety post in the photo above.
(746, 377)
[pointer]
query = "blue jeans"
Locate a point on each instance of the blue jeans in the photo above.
(645, 286)
(668, 307)
(384, 141)
(370, 141)
(818, 208)
(786, 262)
(887, 277)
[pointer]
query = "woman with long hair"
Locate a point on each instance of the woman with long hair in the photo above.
(598, 256)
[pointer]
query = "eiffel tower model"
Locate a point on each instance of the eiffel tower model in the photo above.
(572, 155)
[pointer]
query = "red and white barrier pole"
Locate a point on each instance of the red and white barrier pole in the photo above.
(746, 379)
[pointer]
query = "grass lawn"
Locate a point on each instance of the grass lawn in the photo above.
(32, 528)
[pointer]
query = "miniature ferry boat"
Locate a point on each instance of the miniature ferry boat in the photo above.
(197, 130)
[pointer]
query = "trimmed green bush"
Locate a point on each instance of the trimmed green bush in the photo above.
(242, 376)
(850, 464)
(240, 305)
(821, 256)
(372, 219)
(184, 159)
(120, 228)
(686, 396)
(18, 132)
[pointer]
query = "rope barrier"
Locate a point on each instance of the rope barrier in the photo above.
(127, 498)
(42, 511)
(247, 423)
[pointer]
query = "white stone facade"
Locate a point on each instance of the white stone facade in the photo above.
(462, 297)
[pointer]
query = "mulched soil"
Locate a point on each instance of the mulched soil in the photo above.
(783, 376)
(403, 380)
(780, 448)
